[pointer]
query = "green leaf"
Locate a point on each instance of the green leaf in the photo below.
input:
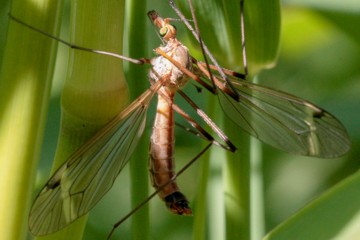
(219, 23)
(334, 215)
(95, 89)
(25, 83)
(138, 82)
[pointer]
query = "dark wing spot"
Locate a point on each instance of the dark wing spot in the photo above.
(319, 114)
(53, 184)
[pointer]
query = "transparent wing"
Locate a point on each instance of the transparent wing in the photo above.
(90, 172)
(285, 122)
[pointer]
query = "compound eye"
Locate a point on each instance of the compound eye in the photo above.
(163, 31)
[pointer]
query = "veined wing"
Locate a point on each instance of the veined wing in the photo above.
(91, 171)
(285, 121)
(280, 119)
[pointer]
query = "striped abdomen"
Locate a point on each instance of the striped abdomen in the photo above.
(161, 164)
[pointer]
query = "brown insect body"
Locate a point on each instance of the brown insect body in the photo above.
(162, 141)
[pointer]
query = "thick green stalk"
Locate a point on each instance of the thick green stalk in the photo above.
(95, 89)
(137, 79)
(201, 207)
(242, 198)
(220, 29)
(28, 65)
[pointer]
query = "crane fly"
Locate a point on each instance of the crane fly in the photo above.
(277, 118)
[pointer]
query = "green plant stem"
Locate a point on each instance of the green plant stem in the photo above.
(262, 32)
(28, 64)
(201, 199)
(237, 187)
(202, 203)
(257, 219)
(95, 89)
(137, 79)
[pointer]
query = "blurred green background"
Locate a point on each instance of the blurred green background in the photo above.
(319, 60)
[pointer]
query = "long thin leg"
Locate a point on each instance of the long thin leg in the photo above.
(209, 122)
(117, 224)
(190, 130)
(200, 41)
(229, 146)
(217, 82)
(73, 46)
(242, 25)
(184, 70)
(201, 113)
(207, 136)
(188, 25)
(226, 71)
(203, 133)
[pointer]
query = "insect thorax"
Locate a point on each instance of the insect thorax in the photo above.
(163, 67)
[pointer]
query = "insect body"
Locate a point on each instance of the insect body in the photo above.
(163, 139)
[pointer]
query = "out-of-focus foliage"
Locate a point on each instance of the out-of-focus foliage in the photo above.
(319, 61)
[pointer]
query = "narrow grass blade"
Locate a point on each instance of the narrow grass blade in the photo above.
(334, 215)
